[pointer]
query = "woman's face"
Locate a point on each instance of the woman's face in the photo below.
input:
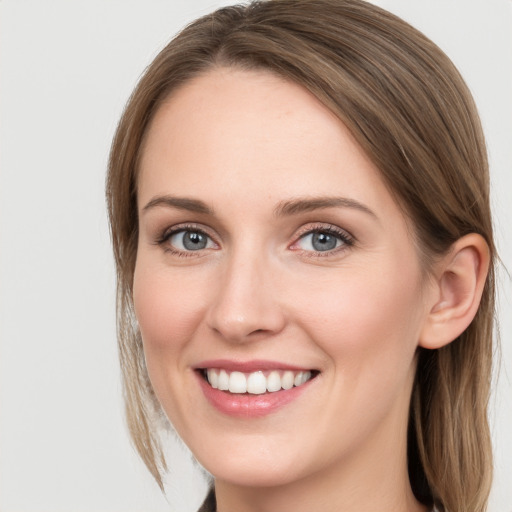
(272, 255)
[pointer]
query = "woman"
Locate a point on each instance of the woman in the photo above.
(298, 197)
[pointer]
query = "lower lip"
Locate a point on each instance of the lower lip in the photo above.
(247, 405)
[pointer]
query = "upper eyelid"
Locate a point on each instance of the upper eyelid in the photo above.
(299, 233)
(167, 233)
(327, 227)
(347, 239)
(176, 228)
(164, 240)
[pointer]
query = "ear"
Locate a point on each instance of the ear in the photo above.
(459, 280)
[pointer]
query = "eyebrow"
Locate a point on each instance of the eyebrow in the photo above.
(284, 208)
(181, 203)
(308, 204)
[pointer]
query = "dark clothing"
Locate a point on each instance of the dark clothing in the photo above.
(209, 504)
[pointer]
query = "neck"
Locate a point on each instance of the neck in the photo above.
(302, 496)
(374, 479)
(329, 493)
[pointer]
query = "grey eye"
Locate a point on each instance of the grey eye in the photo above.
(319, 241)
(187, 240)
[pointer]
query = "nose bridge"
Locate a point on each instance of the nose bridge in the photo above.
(244, 302)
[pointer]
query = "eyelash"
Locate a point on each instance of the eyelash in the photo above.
(168, 233)
(346, 239)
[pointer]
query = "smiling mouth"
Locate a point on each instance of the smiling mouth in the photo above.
(258, 382)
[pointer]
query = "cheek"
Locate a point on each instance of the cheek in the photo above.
(368, 326)
(168, 310)
(367, 322)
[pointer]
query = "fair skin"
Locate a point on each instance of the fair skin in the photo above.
(268, 241)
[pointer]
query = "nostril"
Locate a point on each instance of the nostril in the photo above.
(244, 330)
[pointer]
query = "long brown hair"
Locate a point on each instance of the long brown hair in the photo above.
(410, 110)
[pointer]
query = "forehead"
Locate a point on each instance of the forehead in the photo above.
(250, 135)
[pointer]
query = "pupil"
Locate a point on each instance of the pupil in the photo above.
(323, 242)
(194, 241)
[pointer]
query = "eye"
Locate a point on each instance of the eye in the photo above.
(319, 242)
(323, 240)
(185, 240)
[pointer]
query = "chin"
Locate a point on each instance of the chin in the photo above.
(256, 467)
(247, 475)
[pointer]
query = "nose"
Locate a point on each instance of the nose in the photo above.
(244, 305)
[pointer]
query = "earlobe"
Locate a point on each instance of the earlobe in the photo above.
(459, 283)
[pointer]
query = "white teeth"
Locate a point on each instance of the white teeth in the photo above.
(213, 378)
(255, 383)
(305, 377)
(237, 383)
(223, 381)
(287, 380)
(273, 381)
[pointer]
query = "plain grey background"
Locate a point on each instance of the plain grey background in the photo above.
(66, 70)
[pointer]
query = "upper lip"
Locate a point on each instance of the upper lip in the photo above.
(248, 366)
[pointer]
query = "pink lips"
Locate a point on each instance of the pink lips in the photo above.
(248, 405)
